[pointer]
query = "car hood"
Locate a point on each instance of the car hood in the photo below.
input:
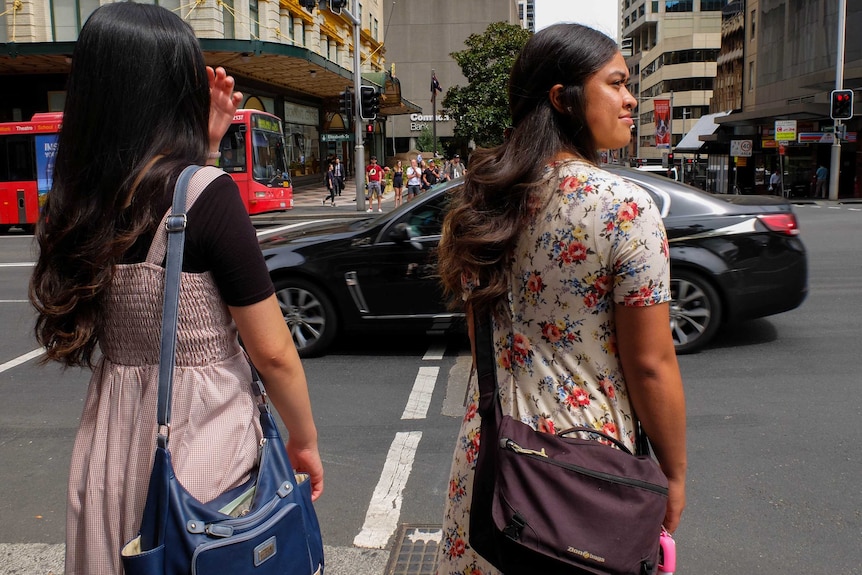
(310, 232)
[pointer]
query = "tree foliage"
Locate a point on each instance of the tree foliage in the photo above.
(425, 141)
(481, 108)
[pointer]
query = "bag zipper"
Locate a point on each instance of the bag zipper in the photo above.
(507, 443)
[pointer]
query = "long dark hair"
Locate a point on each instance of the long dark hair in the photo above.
(482, 226)
(137, 112)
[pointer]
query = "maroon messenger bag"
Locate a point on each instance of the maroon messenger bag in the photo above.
(551, 504)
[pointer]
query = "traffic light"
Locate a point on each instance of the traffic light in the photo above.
(346, 104)
(369, 103)
(841, 106)
(308, 4)
(369, 128)
(335, 6)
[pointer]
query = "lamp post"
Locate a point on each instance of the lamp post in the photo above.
(835, 165)
(359, 148)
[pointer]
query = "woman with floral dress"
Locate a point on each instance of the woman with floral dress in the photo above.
(572, 263)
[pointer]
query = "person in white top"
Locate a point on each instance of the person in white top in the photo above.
(414, 180)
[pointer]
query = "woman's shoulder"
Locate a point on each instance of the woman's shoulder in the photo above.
(592, 179)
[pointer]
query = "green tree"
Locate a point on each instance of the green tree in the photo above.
(425, 141)
(481, 108)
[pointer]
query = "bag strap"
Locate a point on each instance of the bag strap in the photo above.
(175, 226)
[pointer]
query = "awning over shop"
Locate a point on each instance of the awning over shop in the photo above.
(705, 126)
(391, 102)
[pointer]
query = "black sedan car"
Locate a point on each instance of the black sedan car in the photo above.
(733, 258)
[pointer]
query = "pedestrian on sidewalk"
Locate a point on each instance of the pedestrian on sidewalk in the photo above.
(373, 178)
(414, 180)
(398, 182)
(571, 262)
(331, 186)
(821, 188)
(141, 106)
(338, 173)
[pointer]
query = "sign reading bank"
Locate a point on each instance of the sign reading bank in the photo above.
(418, 122)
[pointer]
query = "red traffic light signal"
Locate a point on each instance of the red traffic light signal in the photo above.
(369, 128)
(841, 105)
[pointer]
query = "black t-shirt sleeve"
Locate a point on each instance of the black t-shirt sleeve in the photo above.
(221, 239)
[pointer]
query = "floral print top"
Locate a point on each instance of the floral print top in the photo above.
(591, 241)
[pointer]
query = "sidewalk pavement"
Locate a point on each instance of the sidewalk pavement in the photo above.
(308, 202)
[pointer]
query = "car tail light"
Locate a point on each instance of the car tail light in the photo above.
(784, 223)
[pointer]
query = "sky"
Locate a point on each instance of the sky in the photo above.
(598, 14)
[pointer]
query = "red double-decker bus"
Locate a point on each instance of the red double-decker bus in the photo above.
(27, 152)
(253, 153)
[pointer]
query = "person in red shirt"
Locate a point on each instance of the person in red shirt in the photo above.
(373, 177)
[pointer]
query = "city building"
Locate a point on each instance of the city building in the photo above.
(420, 36)
(780, 66)
(527, 14)
(286, 60)
(674, 51)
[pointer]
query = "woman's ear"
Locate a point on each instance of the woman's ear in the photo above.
(557, 97)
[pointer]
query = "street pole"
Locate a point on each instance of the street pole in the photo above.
(835, 166)
(359, 149)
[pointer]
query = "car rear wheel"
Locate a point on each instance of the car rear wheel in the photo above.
(309, 315)
(695, 312)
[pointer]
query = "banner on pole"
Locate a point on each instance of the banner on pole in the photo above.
(662, 123)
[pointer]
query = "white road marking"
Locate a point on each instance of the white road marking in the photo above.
(384, 510)
(266, 232)
(435, 352)
(14, 301)
(18, 265)
(21, 359)
(420, 396)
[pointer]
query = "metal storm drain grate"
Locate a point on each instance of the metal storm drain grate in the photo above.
(415, 550)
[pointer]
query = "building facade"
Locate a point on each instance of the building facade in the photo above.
(286, 60)
(786, 72)
(419, 40)
(527, 14)
(675, 46)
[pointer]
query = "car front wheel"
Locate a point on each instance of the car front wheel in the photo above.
(309, 315)
(695, 312)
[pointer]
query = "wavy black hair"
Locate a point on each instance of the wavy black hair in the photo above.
(483, 224)
(136, 113)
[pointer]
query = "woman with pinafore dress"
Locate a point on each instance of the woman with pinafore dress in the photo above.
(141, 106)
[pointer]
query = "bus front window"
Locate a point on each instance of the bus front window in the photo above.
(270, 166)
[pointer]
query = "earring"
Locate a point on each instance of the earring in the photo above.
(569, 109)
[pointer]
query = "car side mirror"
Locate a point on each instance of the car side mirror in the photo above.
(400, 233)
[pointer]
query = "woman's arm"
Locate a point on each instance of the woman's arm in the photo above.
(655, 389)
(270, 346)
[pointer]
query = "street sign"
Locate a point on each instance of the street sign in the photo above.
(785, 130)
(740, 148)
(336, 137)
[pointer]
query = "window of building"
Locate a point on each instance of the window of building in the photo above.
(374, 29)
(712, 5)
(751, 76)
(641, 11)
(254, 28)
(679, 5)
(654, 9)
(228, 21)
(291, 32)
(753, 23)
(302, 24)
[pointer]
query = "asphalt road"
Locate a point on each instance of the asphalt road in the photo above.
(773, 409)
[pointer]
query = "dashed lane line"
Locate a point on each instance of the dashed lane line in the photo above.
(21, 359)
(420, 396)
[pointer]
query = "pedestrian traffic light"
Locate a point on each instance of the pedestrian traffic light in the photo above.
(841, 106)
(369, 103)
(346, 104)
(369, 128)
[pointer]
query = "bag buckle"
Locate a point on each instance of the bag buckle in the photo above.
(515, 527)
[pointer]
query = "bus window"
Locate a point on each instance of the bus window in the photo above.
(17, 159)
(233, 150)
(269, 160)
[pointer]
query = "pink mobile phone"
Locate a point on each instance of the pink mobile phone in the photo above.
(667, 554)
